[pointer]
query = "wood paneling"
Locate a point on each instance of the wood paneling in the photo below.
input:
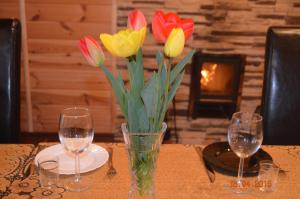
(70, 12)
(9, 9)
(46, 117)
(64, 30)
(88, 2)
(59, 75)
(59, 2)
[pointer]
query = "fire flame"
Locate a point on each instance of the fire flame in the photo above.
(208, 75)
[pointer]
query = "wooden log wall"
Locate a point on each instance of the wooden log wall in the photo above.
(59, 75)
(221, 26)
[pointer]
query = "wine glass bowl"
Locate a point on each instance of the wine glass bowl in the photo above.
(245, 138)
(76, 134)
(76, 140)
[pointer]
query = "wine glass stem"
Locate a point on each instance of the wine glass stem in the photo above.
(240, 172)
(77, 168)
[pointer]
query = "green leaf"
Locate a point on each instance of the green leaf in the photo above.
(149, 96)
(132, 114)
(163, 78)
(179, 67)
(119, 92)
(130, 68)
(143, 119)
(136, 73)
(122, 87)
(121, 82)
(175, 86)
(137, 117)
(139, 57)
(159, 60)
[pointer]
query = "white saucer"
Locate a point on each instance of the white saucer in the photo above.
(91, 159)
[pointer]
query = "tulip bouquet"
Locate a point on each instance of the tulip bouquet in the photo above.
(144, 103)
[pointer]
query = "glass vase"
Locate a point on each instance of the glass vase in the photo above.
(143, 150)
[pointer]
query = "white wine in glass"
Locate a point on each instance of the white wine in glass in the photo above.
(245, 138)
(76, 134)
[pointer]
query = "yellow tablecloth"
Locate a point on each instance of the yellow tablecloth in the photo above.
(180, 174)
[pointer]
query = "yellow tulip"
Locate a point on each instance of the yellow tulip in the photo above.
(175, 43)
(125, 43)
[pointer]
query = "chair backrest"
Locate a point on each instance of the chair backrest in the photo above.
(281, 90)
(10, 48)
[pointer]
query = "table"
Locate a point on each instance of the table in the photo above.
(180, 174)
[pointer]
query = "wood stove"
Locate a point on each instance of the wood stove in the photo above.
(216, 85)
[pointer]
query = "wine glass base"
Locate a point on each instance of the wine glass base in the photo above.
(77, 186)
(239, 187)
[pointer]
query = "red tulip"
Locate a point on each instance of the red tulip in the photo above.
(136, 20)
(163, 24)
(91, 50)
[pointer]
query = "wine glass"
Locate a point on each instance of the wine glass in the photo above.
(245, 137)
(76, 134)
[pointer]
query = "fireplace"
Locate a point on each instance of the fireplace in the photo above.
(216, 85)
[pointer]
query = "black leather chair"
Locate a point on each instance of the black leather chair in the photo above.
(281, 91)
(10, 48)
